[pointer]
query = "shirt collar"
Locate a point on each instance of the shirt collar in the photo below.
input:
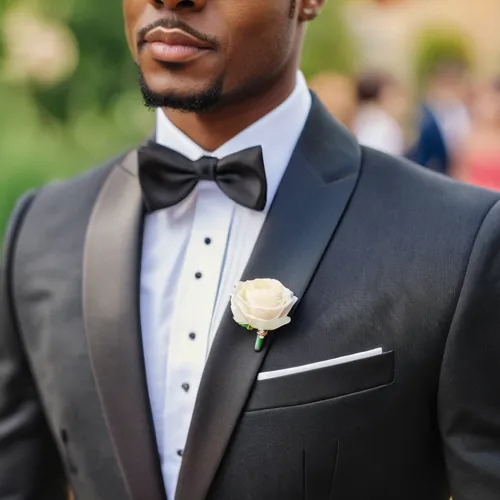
(277, 133)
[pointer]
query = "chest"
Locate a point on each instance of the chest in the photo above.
(340, 431)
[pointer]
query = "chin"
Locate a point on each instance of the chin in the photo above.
(175, 91)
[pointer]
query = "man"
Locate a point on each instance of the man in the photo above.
(381, 102)
(444, 123)
(122, 370)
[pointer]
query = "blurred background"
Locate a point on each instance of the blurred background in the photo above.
(416, 78)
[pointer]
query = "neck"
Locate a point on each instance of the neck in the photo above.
(212, 129)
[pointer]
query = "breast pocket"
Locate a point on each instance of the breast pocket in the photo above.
(323, 383)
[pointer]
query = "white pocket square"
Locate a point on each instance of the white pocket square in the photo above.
(320, 364)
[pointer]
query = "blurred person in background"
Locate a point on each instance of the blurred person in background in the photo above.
(382, 102)
(444, 121)
(127, 368)
(480, 162)
(338, 95)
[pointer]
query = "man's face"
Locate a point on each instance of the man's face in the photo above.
(195, 54)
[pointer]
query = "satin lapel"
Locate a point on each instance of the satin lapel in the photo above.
(308, 206)
(112, 323)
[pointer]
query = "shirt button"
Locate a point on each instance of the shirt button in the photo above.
(179, 452)
(198, 275)
(192, 335)
(185, 387)
(208, 241)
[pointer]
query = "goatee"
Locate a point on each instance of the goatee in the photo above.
(201, 102)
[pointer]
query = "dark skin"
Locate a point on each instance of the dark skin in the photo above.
(254, 58)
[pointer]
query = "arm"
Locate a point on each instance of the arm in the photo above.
(469, 393)
(29, 464)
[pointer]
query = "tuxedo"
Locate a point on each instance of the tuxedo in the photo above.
(380, 253)
(174, 249)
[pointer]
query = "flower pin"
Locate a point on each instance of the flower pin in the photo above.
(262, 305)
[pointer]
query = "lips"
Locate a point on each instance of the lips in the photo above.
(174, 45)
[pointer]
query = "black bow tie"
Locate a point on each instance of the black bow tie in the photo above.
(167, 177)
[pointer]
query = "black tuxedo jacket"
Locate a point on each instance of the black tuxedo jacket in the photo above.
(380, 253)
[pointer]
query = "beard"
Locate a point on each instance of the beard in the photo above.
(201, 102)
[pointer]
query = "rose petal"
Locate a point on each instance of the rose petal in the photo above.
(265, 314)
(268, 325)
(272, 313)
(262, 297)
(242, 305)
(289, 306)
(238, 316)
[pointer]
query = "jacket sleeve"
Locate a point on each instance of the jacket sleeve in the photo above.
(469, 392)
(30, 467)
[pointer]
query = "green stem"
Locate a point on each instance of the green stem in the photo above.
(259, 341)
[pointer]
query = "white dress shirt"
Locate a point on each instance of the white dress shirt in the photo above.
(193, 254)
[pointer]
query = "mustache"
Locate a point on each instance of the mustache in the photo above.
(176, 23)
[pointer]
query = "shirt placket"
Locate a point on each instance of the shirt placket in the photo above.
(194, 307)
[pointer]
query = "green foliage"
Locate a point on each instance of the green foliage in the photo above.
(328, 45)
(435, 46)
(50, 133)
(36, 149)
(105, 69)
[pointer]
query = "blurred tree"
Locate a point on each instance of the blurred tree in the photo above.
(105, 69)
(437, 46)
(52, 131)
(329, 45)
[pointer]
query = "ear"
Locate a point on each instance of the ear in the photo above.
(310, 9)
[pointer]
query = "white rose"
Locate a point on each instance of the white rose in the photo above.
(262, 304)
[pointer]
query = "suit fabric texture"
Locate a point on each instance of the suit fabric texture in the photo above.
(380, 253)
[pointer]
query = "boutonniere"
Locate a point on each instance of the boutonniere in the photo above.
(262, 305)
